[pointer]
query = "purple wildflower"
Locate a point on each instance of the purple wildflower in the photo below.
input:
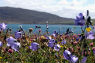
(18, 35)
(74, 59)
(3, 26)
(67, 54)
(10, 39)
(34, 46)
(52, 40)
(84, 60)
(13, 44)
(90, 35)
(54, 34)
(1, 44)
(63, 42)
(80, 20)
(51, 43)
(16, 46)
(48, 37)
(57, 47)
(93, 50)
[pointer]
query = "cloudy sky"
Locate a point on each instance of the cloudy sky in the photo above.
(63, 8)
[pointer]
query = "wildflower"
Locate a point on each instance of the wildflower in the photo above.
(16, 46)
(30, 30)
(10, 39)
(10, 51)
(84, 60)
(34, 46)
(54, 34)
(18, 35)
(0, 57)
(13, 44)
(63, 42)
(57, 47)
(3, 26)
(80, 20)
(1, 44)
(48, 37)
(93, 50)
(52, 40)
(74, 59)
(91, 44)
(88, 29)
(51, 43)
(40, 30)
(90, 35)
(67, 54)
(42, 37)
(75, 42)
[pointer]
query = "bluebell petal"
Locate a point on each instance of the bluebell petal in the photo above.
(13, 44)
(63, 42)
(18, 35)
(67, 54)
(84, 60)
(50, 44)
(1, 44)
(3, 26)
(57, 47)
(74, 59)
(34, 46)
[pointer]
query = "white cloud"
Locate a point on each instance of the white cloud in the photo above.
(60, 7)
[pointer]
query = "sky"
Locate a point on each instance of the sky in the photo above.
(63, 8)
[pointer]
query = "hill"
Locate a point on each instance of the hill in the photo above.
(12, 15)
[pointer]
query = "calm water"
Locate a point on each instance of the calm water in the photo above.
(51, 28)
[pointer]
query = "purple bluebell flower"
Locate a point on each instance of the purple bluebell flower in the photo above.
(94, 30)
(16, 46)
(48, 37)
(57, 47)
(54, 33)
(63, 42)
(50, 44)
(1, 44)
(13, 43)
(77, 20)
(52, 41)
(90, 35)
(10, 39)
(18, 35)
(67, 55)
(3, 26)
(93, 50)
(84, 60)
(74, 59)
(80, 20)
(34, 46)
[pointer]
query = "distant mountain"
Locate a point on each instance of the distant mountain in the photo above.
(12, 15)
